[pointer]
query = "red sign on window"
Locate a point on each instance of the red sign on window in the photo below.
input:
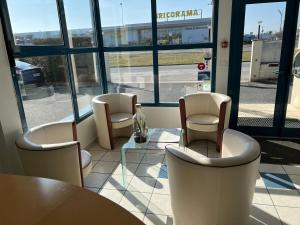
(201, 66)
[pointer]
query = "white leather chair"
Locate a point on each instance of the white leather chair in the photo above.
(204, 116)
(113, 116)
(53, 151)
(214, 191)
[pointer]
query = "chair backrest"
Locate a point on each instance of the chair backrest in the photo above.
(214, 191)
(204, 103)
(49, 151)
(118, 102)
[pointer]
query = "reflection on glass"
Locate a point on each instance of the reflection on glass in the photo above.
(293, 108)
(131, 72)
(126, 22)
(184, 24)
(35, 22)
(44, 86)
(86, 78)
(179, 73)
(79, 23)
(261, 59)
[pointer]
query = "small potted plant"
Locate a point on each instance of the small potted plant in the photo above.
(139, 126)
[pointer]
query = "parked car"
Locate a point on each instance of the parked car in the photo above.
(29, 74)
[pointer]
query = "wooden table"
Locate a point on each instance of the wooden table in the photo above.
(31, 200)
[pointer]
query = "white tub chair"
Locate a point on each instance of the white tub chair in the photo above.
(113, 116)
(53, 151)
(204, 116)
(214, 191)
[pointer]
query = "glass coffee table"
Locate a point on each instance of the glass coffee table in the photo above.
(157, 139)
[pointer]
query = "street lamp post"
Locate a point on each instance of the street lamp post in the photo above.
(280, 12)
(258, 32)
(121, 4)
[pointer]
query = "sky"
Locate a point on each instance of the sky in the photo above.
(41, 15)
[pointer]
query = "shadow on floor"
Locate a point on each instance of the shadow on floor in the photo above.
(279, 152)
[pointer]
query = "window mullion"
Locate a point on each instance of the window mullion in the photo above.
(97, 21)
(155, 52)
(63, 23)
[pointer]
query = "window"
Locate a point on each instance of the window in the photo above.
(131, 72)
(79, 22)
(187, 23)
(86, 77)
(68, 52)
(126, 22)
(45, 90)
(44, 28)
(179, 74)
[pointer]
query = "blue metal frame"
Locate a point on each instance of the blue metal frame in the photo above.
(235, 62)
(100, 49)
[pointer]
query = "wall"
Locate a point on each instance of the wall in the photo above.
(86, 131)
(224, 26)
(265, 58)
(9, 115)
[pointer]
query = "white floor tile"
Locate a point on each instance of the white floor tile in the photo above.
(271, 168)
(296, 180)
(142, 184)
(116, 182)
(95, 180)
(264, 215)
(289, 216)
(134, 157)
(96, 190)
(292, 169)
(160, 204)
(153, 158)
(113, 195)
(152, 219)
(288, 198)
(139, 215)
(105, 167)
(261, 196)
(135, 201)
(131, 168)
(112, 156)
(162, 186)
(97, 155)
(147, 170)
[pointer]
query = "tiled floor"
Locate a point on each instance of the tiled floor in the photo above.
(276, 199)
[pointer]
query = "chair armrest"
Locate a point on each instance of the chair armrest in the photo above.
(24, 143)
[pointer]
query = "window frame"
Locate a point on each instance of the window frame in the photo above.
(19, 51)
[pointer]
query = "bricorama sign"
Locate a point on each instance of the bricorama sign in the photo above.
(174, 14)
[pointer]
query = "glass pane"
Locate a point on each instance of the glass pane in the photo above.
(261, 59)
(184, 22)
(183, 72)
(130, 72)
(79, 22)
(293, 108)
(86, 78)
(35, 22)
(126, 22)
(44, 86)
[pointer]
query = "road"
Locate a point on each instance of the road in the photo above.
(175, 81)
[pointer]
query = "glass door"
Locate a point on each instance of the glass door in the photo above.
(260, 65)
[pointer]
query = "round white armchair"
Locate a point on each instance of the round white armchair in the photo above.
(52, 151)
(214, 191)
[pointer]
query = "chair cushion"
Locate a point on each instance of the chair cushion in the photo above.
(86, 162)
(120, 120)
(203, 122)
